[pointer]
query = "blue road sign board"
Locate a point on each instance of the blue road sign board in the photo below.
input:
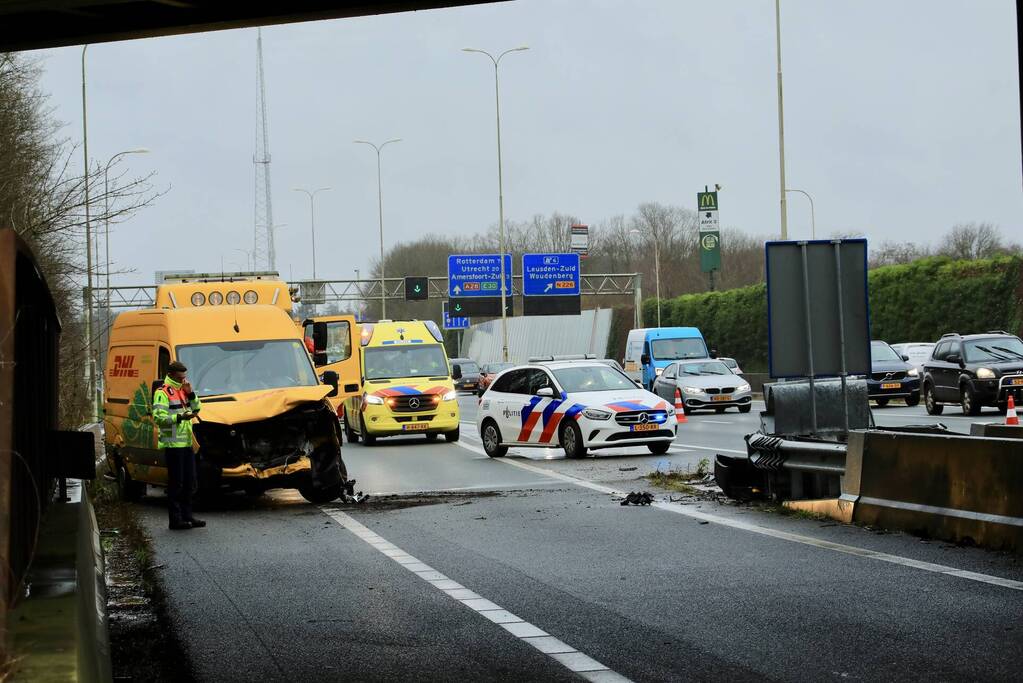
(550, 274)
(478, 275)
(458, 322)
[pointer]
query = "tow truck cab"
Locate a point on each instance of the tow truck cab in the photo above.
(406, 384)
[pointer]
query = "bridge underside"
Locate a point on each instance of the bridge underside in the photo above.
(33, 24)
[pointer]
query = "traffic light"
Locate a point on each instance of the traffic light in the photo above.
(417, 288)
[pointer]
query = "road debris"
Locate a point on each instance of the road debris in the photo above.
(641, 498)
(627, 469)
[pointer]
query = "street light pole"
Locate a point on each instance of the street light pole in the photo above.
(781, 125)
(106, 212)
(500, 191)
(380, 213)
(91, 353)
(312, 218)
(813, 219)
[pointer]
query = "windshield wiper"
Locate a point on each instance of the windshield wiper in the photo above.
(997, 356)
(1015, 353)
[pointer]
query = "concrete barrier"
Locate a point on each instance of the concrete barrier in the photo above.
(998, 429)
(956, 488)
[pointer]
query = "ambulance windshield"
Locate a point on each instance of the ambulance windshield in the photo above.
(405, 360)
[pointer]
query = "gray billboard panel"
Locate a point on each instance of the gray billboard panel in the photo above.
(834, 283)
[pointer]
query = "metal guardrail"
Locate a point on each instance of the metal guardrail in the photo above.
(774, 453)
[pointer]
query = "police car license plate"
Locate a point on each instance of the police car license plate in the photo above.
(891, 385)
(415, 427)
(1017, 382)
(721, 397)
(645, 428)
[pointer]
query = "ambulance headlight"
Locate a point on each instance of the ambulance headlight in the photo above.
(234, 298)
(373, 400)
(250, 297)
(198, 299)
(216, 298)
(451, 395)
(597, 414)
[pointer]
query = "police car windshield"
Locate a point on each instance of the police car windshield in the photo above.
(677, 349)
(235, 367)
(405, 360)
(592, 378)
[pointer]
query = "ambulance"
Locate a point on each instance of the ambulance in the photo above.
(265, 422)
(406, 385)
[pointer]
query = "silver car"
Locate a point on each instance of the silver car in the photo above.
(704, 384)
(915, 353)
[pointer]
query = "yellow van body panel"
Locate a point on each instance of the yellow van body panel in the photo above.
(388, 412)
(259, 405)
(341, 354)
(197, 294)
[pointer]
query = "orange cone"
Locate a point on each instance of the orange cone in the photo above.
(1010, 412)
(680, 411)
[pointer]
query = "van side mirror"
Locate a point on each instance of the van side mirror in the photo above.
(645, 359)
(330, 377)
(320, 343)
(954, 358)
(713, 353)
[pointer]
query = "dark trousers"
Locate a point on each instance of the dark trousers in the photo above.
(180, 483)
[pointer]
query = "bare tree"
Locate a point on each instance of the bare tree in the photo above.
(974, 240)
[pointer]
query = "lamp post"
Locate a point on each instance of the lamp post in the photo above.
(813, 220)
(106, 211)
(312, 218)
(91, 354)
(657, 272)
(380, 213)
(500, 189)
(781, 124)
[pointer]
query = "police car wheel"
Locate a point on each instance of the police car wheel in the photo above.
(492, 440)
(572, 441)
(659, 447)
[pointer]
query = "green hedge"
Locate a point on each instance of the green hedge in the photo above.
(919, 301)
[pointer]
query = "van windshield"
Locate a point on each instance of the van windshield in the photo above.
(234, 367)
(677, 349)
(406, 360)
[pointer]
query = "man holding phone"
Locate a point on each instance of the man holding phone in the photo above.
(174, 406)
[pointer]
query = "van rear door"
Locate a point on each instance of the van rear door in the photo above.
(337, 334)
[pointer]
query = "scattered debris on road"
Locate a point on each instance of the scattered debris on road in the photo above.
(627, 469)
(640, 498)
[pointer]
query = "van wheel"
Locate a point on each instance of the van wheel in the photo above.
(452, 436)
(931, 405)
(572, 441)
(350, 434)
(367, 438)
(492, 440)
(127, 488)
(318, 496)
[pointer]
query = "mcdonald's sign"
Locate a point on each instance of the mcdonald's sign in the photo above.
(707, 201)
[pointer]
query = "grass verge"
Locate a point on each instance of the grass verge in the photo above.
(681, 480)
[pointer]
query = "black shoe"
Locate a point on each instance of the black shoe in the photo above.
(196, 523)
(178, 526)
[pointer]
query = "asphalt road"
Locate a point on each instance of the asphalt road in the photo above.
(526, 568)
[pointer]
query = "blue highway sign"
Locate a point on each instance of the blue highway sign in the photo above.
(478, 275)
(550, 274)
(458, 322)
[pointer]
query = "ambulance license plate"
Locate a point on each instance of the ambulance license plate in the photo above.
(1017, 382)
(891, 385)
(721, 397)
(645, 428)
(415, 427)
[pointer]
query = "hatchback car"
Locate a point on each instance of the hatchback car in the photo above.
(578, 405)
(974, 370)
(704, 384)
(891, 376)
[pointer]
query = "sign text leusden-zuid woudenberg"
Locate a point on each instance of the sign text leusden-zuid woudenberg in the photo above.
(474, 285)
(550, 284)
(710, 231)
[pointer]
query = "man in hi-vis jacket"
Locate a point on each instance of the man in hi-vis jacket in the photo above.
(174, 406)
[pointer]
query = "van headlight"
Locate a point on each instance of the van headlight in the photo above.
(985, 373)
(694, 391)
(597, 414)
(373, 400)
(913, 372)
(451, 395)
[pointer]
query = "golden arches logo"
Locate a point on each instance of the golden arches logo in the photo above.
(707, 200)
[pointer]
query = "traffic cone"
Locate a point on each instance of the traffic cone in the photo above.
(680, 411)
(1010, 412)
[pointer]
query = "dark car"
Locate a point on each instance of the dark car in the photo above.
(974, 370)
(891, 376)
(465, 374)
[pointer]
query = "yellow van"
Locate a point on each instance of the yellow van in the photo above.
(265, 420)
(329, 340)
(210, 290)
(406, 384)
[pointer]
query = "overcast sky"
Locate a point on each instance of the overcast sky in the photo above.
(901, 119)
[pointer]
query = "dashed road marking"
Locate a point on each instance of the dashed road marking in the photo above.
(777, 533)
(566, 655)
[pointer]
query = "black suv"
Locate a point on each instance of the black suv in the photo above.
(973, 370)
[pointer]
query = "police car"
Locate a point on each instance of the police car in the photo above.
(579, 405)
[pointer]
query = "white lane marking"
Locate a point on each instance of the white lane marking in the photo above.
(783, 535)
(565, 654)
(717, 422)
(709, 448)
(510, 485)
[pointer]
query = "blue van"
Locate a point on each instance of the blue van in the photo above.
(649, 350)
